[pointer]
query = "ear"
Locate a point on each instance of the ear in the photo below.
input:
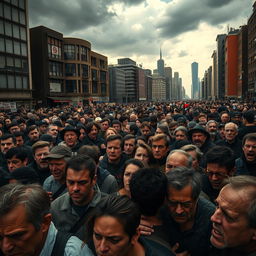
(94, 180)
(135, 237)
(46, 222)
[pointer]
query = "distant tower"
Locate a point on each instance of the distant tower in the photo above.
(195, 81)
(160, 65)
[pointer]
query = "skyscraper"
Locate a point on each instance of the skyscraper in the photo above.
(160, 65)
(195, 82)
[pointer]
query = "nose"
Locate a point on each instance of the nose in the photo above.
(216, 216)
(6, 245)
(76, 187)
(103, 245)
(215, 177)
(179, 209)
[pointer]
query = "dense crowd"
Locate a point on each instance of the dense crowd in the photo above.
(129, 180)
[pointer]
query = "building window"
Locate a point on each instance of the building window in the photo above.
(15, 15)
(16, 48)
(24, 49)
(103, 88)
(85, 86)
(8, 28)
(2, 48)
(85, 72)
(103, 76)
(94, 61)
(22, 4)
(9, 48)
(71, 86)
(70, 69)
(94, 75)
(84, 53)
(24, 63)
(69, 52)
(2, 62)
(18, 82)
(7, 12)
(11, 82)
(25, 82)
(23, 34)
(102, 64)
(94, 87)
(1, 27)
(16, 31)
(3, 81)
(54, 48)
(55, 69)
(22, 18)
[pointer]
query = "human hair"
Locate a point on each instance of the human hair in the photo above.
(89, 126)
(8, 136)
(111, 129)
(33, 197)
(149, 151)
(221, 155)
(180, 177)
(134, 162)
(90, 150)
(18, 152)
(115, 137)
(32, 127)
(148, 188)
(249, 136)
(128, 137)
(247, 184)
(121, 208)
(234, 125)
(212, 121)
(105, 120)
(182, 152)
(165, 129)
(17, 134)
(160, 137)
(191, 147)
(115, 121)
(82, 162)
(145, 124)
(181, 128)
(249, 116)
(39, 144)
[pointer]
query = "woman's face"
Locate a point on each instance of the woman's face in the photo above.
(180, 135)
(110, 132)
(128, 172)
(142, 155)
(159, 131)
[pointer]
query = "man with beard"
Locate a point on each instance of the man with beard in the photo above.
(33, 135)
(220, 164)
(40, 150)
(212, 128)
(246, 164)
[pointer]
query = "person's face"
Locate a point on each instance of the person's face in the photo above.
(142, 155)
(249, 149)
(180, 135)
(43, 129)
(138, 123)
(198, 139)
(70, 137)
(230, 132)
(6, 145)
(14, 129)
(57, 168)
(117, 127)
(19, 141)
(53, 131)
(82, 134)
(181, 205)
(110, 239)
(14, 163)
(80, 186)
(175, 160)
(128, 172)
(231, 228)
(114, 150)
(195, 163)
(104, 125)
(224, 118)
(94, 132)
(129, 146)
(19, 236)
(40, 154)
(159, 149)
(33, 135)
(216, 174)
(202, 119)
(159, 131)
(110, 132)
(22, 126)
(145, 131)
(212, 127)
(7, 121)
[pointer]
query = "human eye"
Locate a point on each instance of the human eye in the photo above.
(97, 236)
(70, 182)
(114, 240)
(82, 182)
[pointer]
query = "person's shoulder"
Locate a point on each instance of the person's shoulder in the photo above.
(60, 200)
(76, 247)
(206, 206)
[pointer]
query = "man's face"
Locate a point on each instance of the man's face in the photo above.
(19, 236)
(181, 205)
(198, 139)
(6, 145)
(230, 221)
(109, 237)
(19, 141)
(34, 135)
(145, 131)
(230, 132)
(129, 146)
(94, 132)
(53, 131)
(80, 186)
(70, 137)
(117, 127)
(212, 127)
(40, 154)
(249, 149)
(175, 160)
(57, 168)
(14, 129)
(128, 172)
(216, 174)
(114, 150)
(159, 149)
(23, 126)
(14, 163)
(224, 118)
(104, 125)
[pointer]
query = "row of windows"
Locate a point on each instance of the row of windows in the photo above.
(11, 63)
(71, 87)
(12, 13)
(75, 53)
(13, 82)
(18, 3)
(55, 69)
(54, 51)
(13, 47)
(12, 30)
(72, 69)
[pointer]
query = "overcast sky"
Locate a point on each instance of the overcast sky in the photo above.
(185, 29)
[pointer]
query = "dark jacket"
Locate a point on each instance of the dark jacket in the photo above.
(245, 168)
(235, 146)
(208, 189)
(42, 173)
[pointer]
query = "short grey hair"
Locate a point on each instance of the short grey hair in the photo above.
(35, 200)
(181, 128)
(234, 125)
(211, 121)
(192, 147)
(188, 156)
(180, 177)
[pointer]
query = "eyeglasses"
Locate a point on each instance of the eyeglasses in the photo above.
(217, 174)
(183, 205)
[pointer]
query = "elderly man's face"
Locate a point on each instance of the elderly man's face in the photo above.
(198, 139)
(230, 221)
(175, 160)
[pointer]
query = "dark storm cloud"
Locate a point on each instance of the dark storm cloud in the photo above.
(186, 15)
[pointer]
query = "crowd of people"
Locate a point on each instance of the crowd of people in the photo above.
(144, 179)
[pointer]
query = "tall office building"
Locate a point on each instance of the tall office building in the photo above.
(195, 82)
(168, 78)
(158, 88)
(15, 74)
(160, 65)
